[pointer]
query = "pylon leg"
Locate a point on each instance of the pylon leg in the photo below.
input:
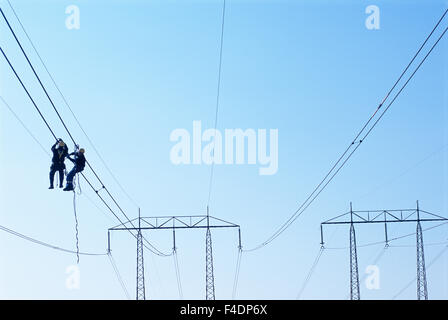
(210, 280)
(422, 289)
(354, 275)
(140, 295)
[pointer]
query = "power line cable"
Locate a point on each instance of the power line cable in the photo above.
(69, 107)
(151, 247)
(177, 270)
(50, 129)
(218, 91)
(389, 240)
(46, 151)
(118, 275)
(431, 244)
(389, 181)
(41, 243)
(27, 92)
(24, 126)
(440, 254)
(237, 273)
(333, 171)
(37, 77)
(310, 272)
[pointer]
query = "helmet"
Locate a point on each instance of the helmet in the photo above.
(61, 143)
(82, 150)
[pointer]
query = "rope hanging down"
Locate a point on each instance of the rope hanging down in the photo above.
(76, 227)
(340, 163)
(76, 184)
(440, 254)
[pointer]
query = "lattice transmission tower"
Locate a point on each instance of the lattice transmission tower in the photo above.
(385, 217)
(174, 223)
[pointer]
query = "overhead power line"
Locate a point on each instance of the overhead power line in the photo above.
(237, 273)
(24, 126)
(218, 91)
(70, 108)
(41, 243)
(178, 278)
(440, 254)
(149, 246)
(310, 272)
(357, 141)
(119, 277)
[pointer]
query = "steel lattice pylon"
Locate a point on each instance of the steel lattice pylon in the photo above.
(385, 217)
(354, 276)
(173, 223)
(210, 280)
(422, 289)
(140, 295)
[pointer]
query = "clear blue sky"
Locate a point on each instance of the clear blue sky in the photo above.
(136, 70)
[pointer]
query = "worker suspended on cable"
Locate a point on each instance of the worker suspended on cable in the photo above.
(59, 155)
(79, 162)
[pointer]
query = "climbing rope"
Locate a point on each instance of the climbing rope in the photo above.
(76, 217)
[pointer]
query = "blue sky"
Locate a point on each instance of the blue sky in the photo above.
(137, 70)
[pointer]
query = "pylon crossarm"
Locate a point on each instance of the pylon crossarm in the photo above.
(410, 215)
(381, 214)
(357, 215)
(230, 224)
(123, 225)
(202, 220)
(178, 222)
(330, 220)
(389, 214)
(383, 221)
(386, 216)
(432, 214)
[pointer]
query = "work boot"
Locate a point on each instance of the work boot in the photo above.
(68, 187)
(51, 187)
